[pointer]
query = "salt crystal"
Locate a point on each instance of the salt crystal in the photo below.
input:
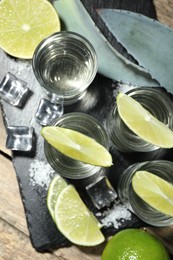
(40, 173)
(115, 216)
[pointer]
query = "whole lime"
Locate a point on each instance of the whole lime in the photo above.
(134, 244)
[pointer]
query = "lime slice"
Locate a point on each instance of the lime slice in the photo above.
(155, 191)
(55, 188)
(143, 123)
(23, 24)
(75, 221)
(77, 146)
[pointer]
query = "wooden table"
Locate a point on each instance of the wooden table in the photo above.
(14, 237)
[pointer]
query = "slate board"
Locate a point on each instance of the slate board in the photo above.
(43, 232)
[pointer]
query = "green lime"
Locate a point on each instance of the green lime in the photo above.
(134, 244)
(56, 186)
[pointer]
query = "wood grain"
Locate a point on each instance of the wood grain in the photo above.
(164, 10)
(15, 245)
(11, 208)
(14, 237)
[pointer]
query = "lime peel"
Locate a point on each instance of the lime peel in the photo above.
(143, 123)
(154, 190)
(134, 244)
(56, 186)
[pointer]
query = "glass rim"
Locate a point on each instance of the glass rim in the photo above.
(82, 170)
(125, 192)
(62, 36)
(157, 101)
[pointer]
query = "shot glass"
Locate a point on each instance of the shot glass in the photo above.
(65, 63)
(93, 178)
(161, 168)
(157, 102)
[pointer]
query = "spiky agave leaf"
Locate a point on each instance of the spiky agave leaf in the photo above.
(148, 41)
(110, 62)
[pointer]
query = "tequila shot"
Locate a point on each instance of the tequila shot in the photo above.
(146, 213)
(65, 63)
(157, 102)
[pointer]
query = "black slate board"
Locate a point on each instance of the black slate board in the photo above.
(43, 232)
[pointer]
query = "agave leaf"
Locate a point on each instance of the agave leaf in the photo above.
(110, 62)
(147, 40)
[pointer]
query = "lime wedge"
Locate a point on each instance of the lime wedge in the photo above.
(75, 221)
(77, 146)
(143, 123)
(56, 186)
(23, 24)
(154, 190)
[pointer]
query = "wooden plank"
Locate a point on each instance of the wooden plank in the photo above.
(164, 9)
(78, 253)
(15, 245)
(11, 208)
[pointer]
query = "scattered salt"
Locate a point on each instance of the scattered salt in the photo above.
(115, 216)
(40, 173)
(20, 69)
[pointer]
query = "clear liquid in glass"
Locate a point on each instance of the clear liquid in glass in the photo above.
(67, 74)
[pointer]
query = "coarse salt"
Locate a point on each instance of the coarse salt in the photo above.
(115, 216)
(40, 173)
